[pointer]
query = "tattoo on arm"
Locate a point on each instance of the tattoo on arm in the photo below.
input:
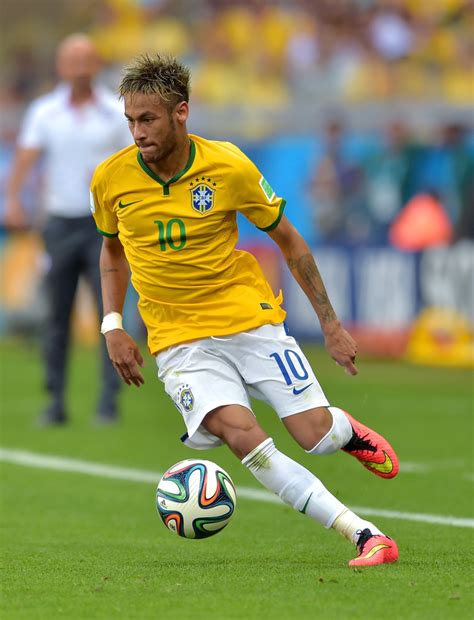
(309, 277)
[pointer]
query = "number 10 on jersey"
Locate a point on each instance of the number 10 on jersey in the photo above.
(171, 234)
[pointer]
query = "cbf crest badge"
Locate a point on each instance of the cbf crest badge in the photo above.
(202, 197)
(186, 398)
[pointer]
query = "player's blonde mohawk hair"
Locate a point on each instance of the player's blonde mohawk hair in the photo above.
(157, 75)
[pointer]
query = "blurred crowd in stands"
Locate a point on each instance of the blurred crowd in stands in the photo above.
(318, 60)
(269, 53)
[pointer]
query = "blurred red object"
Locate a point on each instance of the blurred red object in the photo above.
(381, 343)
(421, 224)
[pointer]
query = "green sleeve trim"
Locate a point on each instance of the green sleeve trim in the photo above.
(277, 221)
(107, 234)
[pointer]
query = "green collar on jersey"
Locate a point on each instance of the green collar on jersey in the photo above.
(177, 176)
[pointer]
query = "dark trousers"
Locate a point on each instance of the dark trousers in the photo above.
(73, 246)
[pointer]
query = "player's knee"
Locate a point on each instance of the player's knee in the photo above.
(336, 437)
(309, 427)
(323, 430)
(238, 428)
(243, 437)
(243, 442)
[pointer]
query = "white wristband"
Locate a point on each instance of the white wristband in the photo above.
(111, 321)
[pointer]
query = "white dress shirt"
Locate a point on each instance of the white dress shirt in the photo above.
(74, 140)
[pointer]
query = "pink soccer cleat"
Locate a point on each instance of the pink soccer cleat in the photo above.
(375, 549)
(372, 450)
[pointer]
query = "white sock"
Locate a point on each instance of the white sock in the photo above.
(293, 483)
(350, 525)
(338, 435)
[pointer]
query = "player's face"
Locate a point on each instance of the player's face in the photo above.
(155, 129)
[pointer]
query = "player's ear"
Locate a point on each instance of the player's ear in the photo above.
(182, 111)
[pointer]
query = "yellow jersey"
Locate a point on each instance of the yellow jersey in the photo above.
(179, 239)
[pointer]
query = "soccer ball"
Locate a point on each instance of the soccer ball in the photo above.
(195, 498)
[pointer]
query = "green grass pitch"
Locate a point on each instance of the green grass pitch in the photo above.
(83, 546)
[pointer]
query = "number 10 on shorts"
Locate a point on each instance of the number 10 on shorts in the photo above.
(291, 364)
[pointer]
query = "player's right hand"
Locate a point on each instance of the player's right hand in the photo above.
(125, 356)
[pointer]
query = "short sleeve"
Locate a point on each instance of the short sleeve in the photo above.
(102, 212)
(33, 129)
(258, 201)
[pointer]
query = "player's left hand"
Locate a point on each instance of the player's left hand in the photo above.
(341, 346)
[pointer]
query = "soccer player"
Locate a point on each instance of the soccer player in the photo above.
(167, 210)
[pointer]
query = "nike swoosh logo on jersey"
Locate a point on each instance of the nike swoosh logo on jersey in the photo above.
(385, 468)
(122, 205)
(296, 391)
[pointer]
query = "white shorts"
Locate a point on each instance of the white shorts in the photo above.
(265, 363)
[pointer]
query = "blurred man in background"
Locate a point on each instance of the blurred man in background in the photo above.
(73, 128)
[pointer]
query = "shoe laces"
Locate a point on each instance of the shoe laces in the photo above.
(359, 443)
(364, 536)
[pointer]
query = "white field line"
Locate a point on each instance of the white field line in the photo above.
(57, 463)
(415, 468)
(408, 467)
